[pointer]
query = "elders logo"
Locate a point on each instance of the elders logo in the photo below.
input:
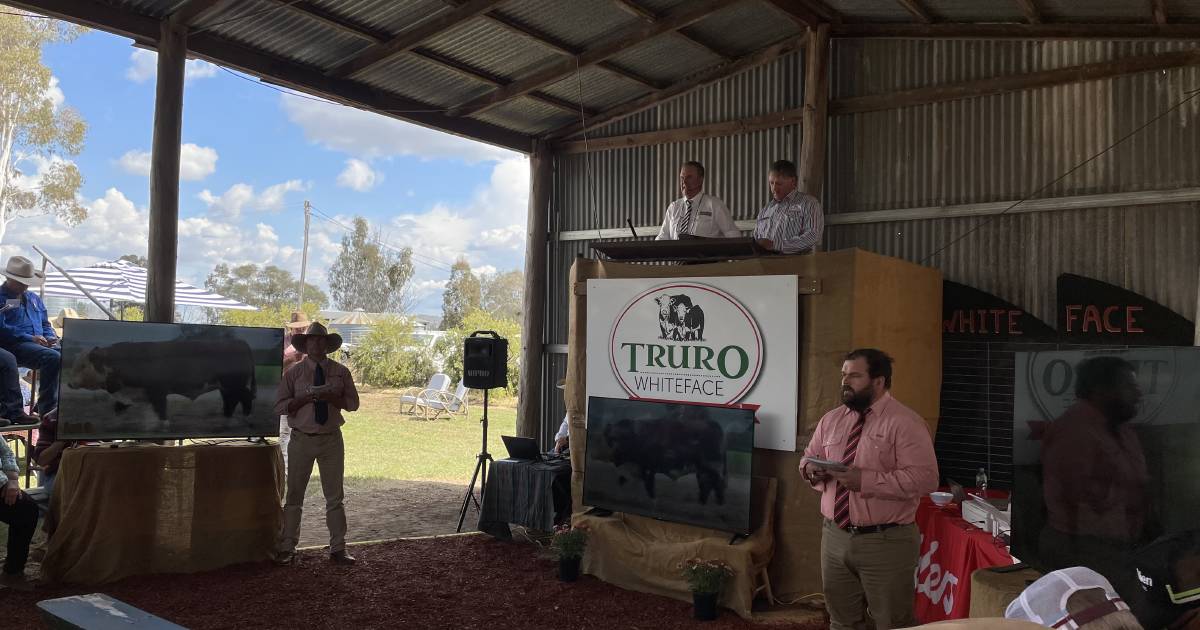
(687, 342)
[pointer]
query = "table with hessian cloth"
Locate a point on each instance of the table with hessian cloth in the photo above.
(536, 495)
(141, 509)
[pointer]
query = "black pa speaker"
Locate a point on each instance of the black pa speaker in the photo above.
(485, 360)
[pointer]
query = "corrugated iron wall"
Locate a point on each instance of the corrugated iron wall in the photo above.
(987, 149)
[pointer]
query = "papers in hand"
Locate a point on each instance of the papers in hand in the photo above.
(827, 464)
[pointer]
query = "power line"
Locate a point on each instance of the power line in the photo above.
(244, 16)
(421, 258)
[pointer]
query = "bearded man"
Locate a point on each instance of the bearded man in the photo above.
(872, 460)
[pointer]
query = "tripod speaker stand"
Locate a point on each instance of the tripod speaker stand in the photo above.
(485, 365)
(482, 462)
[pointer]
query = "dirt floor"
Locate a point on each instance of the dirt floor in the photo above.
(470, 581)
(381, 509)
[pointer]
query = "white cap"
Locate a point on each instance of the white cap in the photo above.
(1045, 601)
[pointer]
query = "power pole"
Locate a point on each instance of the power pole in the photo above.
(304, 256)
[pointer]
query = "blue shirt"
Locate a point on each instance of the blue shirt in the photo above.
(22, 323)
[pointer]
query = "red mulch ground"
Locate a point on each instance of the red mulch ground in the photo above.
(452, 582)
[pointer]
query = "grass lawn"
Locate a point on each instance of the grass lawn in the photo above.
(381, 443)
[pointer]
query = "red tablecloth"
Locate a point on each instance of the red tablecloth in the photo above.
(951, 549)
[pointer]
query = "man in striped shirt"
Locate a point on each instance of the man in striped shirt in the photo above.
(792, 221)
(696, 213)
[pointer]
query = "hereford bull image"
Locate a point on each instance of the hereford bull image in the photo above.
(679, 319)
(673, 447)
(133, 371)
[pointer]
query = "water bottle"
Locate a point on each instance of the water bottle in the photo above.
(981, 482)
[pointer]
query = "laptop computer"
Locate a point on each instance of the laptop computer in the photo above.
(522, 448)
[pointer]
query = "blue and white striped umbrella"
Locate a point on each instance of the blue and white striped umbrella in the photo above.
(126, 281)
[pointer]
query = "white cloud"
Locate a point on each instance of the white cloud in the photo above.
(485, 270)
(241, 196)
(371, 135)
(143, 66)
(511, 237)
(359, 176)
(195, 162)
(55, 93)
(114, 227)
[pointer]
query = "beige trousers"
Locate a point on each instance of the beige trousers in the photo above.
(329, 453)
(869, 572)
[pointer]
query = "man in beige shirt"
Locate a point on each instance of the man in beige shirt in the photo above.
(313, 394)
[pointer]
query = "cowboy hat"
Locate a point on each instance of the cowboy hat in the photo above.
(20, 269)
(57, 321)
(316, 329)
(299, 321)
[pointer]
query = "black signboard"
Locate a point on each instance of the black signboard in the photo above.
(1095, 312)
(968, 312)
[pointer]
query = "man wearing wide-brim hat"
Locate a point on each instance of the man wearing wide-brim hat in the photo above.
(313, 394)
(25, 329)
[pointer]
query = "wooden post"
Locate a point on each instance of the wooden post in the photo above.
(164, 174)
(529, 396)
(816, 103)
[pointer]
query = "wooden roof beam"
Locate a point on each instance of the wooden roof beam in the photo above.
(914, 7)
(646, 15)
(412, 37)
(190, 12)
(677, 18)
(1159, 9)
(1029, 8)
(679, 88)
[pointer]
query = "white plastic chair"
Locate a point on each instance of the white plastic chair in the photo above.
(410, 397)
(444, 404)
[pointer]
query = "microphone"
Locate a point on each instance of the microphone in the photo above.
(632, 231)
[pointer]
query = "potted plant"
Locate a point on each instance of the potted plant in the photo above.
(568, 545)
(705, 578)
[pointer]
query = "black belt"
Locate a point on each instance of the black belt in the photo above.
(312, 434)
(856, 530)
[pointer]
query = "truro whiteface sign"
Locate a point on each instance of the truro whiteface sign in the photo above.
(700, 340)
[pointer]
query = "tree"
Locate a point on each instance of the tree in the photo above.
(135, 259)
(370, 276)
(463, 294)
(35, 130)
(504, 294)
(267, 317)
(389, 356)
(267, 287)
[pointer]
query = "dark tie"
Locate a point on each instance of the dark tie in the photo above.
(685, 224)
(320, 407)
(841, 503)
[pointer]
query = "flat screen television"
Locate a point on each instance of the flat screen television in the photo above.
(1106, 470)
(677, 462)
(137, 380)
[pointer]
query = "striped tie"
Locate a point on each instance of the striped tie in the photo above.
(841, 503)
(685, 223)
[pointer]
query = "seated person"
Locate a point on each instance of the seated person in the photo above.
(25, 330)
(564, 430)
(696, 213)
(48, 451)
(21, 514)
(792, 221)
(12, 393)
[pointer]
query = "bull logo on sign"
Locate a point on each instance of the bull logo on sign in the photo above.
(679, 319)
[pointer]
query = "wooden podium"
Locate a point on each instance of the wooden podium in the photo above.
(686, 250)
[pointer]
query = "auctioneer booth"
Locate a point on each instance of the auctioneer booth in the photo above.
(794, 348)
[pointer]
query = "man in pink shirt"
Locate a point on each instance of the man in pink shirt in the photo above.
(876, 462)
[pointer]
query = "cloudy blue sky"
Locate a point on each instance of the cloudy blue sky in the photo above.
(251, 156)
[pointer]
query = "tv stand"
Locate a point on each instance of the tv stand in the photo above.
(599, 512)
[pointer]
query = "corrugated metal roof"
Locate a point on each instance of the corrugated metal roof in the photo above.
(489, 47)
(526, 115)
(414, 77)
(876, 10)
(565, 22)
(601, 89)
(1183, 10)
(1096, 10)
(959, 11)
(744, 28)
(286, 34)
(391, 16)
(665, 59)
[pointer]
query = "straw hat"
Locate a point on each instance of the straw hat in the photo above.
(316, 329)
(299, 321)
(19, 268)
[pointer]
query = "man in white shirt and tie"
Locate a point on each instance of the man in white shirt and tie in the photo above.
(696, 213)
